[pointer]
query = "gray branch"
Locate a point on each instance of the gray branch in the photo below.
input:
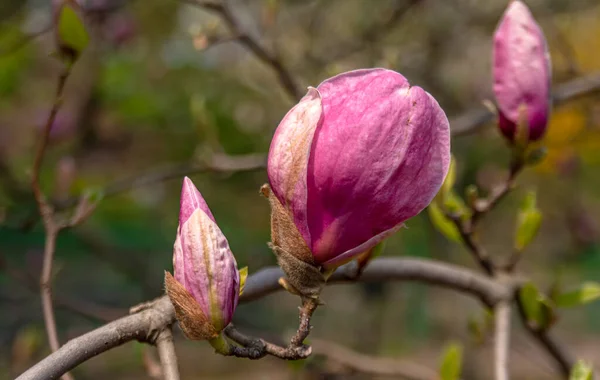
(146, 325)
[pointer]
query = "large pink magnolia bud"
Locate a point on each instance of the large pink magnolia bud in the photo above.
(521, 70)
(351, 162)
(206, 286)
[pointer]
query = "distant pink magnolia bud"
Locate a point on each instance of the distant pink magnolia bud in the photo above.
(521, 70)
(352, 161)
(206, 286)
(120, 29)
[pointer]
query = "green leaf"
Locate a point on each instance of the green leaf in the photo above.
(243, 277)
(455, 204)
(450, 178)
(442, 223)
(451, 366)
(535, 156)
(529, 220)
(471, 195)
(581, 371)
(530, 299)
(71, 30)
(586, 293)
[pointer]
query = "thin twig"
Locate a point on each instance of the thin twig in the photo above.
(544, 337)
(51, 226)
(371, 365)
(219, 163)
(24, 40)
(146, 324)
(269, 58)
(466, 226)
(166, 353)
(370, 36)
(476, 118)
(502, 340)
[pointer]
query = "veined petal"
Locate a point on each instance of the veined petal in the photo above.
(190, 201)
(289, 154)
(209, 268)
(378, 158)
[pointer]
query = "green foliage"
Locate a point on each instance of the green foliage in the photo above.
(538, 309)
(243, 277)
(586, 293)
(529, 219)
(71, 30)
(581, 371)
(451, 365)
(536, 155)
(442, 223)
(14, 59)
(450, 178)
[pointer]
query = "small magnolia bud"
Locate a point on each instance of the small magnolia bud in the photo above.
(351, 162)
(206, 285)
(522, 76)
(69, 29)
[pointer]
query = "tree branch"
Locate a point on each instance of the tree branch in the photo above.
(471, 121)
(371, 365)
(502, 340)
(51, 225)
(148, 323)
(166, 353)
(269, 58)
(544, 337)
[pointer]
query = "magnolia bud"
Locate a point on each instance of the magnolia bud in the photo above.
(522, 76)
(206, 285)
(351, 162)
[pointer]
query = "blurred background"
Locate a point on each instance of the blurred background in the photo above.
(168, 88)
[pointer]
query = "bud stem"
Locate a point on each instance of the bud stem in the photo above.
(220, 345)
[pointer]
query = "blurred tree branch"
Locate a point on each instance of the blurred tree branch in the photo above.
(369, 36)
(371, 365)
(472, 120)
(51, 225)
(271, 59)
(147, 324)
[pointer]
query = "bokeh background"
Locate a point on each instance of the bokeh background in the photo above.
(167, 89)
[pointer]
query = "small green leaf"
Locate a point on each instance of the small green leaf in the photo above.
(471, 195)
(451, 366)
(450, 178)
(535, 156)
(586, 293)
(243, 277)
(71, 30)
(442, 223)
(476, 330)
(93, 194)
(538, 308)
(529, 297)
(454, 204)
(529, 220)
(582, 371)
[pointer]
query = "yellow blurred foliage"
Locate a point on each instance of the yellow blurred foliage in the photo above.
(572, 132)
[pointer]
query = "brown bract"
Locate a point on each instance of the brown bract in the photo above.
(293, 255)
(194, 324)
